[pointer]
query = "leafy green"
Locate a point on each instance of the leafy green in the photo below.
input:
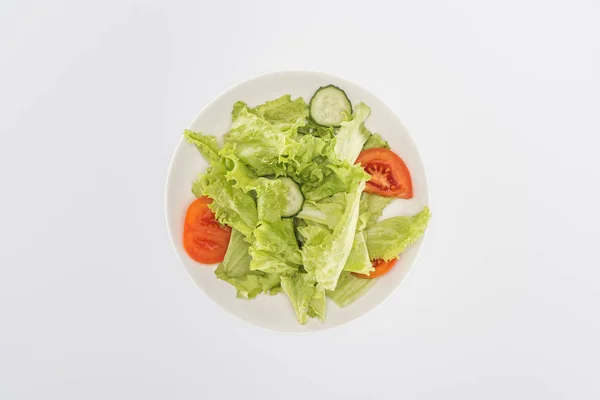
(259, 144)
(235, 269)
(327, 211)
(264, 137)
(337, 178)
(237, 172)
(305, 162)
(206, 144)
(312, 128)
(349, 289)
(275, 249)
(375, 141)
(351, 136)
(312, 233)
(326, 258)
(283, 111)
(306, 296)
(231, 206)
(310, 147)
(371, 208)
(388, 238)
(358, 260)
(270, 193)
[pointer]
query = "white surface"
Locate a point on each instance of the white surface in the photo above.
(276, 313)
(501, 98)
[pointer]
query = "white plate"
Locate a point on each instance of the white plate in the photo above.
(275, 312)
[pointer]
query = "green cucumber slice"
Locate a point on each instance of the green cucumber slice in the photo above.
(295, 199)
(330, 106)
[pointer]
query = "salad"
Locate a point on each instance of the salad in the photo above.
(291, 202)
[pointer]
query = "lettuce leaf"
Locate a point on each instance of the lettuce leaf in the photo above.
(207, 145)
(371, 208)
(312, 233)
(327, 258)
(337, 178)
(306, 296)
(358, 260)
(235, 269)
(271, 199)
(351, 137)
(237, 172)
(283, 112)
(259, 144)
(305, 162)
(270, 193)
(275, 249)
(231, 206)
(314, 129)
(375, 141)
(264, 137)
(310, 147)
(349, 289)
(327, 212)
(388, 238)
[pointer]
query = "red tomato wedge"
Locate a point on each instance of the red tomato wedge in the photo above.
(204, 239)
(381, 268)
(389, 175)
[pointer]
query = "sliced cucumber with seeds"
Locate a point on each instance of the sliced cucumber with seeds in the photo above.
(330, 106)
(295, 199)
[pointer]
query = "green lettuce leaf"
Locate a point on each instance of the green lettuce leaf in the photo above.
(318, 304)
(351, 137)
(270, 193)
(231, 206)
(235, 269)
(275, 249)
(358, 260)
(328, 211)
(304, 163)
(309, 148)
(375, 141)
(259, 144)
(312, 233)
(271, 199)
(314, 129)
(237, 172)
(388, 238)
(349, 289)
(283, 112)
(306, 296)
(206, 144)
(337, 178)
(371, 208)
(327, 258)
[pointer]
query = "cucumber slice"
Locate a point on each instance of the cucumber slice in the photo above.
(329, 106)
(295, 199)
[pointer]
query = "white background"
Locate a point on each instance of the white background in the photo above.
(503, 99)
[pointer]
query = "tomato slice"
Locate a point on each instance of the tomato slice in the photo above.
(389, 175)
(204, 239)
(207, 246)
(199, 215)
(381, 268)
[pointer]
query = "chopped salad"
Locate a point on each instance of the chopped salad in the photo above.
(291, 202)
